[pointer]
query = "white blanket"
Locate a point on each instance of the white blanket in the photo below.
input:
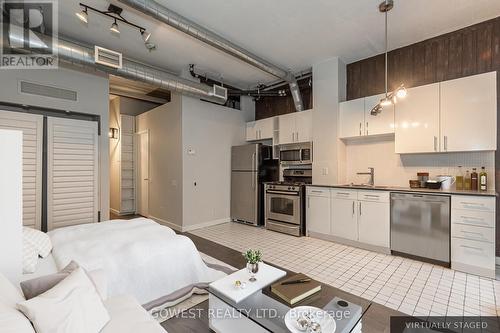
(140, 257)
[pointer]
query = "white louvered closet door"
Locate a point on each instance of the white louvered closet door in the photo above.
(32, 127)
(72, 172)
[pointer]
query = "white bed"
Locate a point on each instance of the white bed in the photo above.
(139, 256)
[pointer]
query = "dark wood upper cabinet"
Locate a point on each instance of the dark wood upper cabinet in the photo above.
(468, 51)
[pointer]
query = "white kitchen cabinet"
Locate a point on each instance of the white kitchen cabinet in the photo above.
(468, 113)
(303, 125)
(382, 123)
(473, 234)
(417, 120)
(352, 118)
(318, 210)
(356, 120)
(287, 128)
(344, 218)
(374, 223)
(295, 127)
(260, 129)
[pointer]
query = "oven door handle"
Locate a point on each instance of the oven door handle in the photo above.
(295, 194)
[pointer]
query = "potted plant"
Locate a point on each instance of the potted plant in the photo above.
(253, 257)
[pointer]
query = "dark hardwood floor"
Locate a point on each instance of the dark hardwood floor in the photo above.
(375, 320)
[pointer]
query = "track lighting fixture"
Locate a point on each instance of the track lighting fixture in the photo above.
(114, 27)
(390, 97)
(83, 15)
(115, 13)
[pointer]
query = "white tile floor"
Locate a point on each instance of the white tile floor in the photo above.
(410, 286)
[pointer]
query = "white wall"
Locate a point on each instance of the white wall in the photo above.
(92, 89)
(208, 131)
(165, 185)
(329, 79)
(394, 169)
(11, 204)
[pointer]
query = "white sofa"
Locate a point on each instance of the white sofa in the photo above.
(126, 314)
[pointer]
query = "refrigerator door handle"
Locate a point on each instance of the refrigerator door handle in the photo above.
(254, 170)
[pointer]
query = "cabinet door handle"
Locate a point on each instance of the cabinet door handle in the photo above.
(293, 137)
(435, 143)
(308, 202)
(366, 128)
(360, 124)
(446, 143)
(360, 209)
(353, 208)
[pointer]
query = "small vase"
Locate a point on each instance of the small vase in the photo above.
(252, 269)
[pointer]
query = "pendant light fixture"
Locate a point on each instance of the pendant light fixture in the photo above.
(114, 27)
(390, 97)
(83, 15)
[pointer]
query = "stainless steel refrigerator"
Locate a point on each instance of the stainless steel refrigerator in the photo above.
(251, 166)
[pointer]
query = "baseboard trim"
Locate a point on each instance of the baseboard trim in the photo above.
(349, 242)
(205, 224)
(174, 226)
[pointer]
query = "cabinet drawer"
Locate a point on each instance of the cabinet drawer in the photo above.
(473, 233)
(378, 196)
(345, 194)
(473, 253)
(318, 191)
(471, 217)
(473, 203)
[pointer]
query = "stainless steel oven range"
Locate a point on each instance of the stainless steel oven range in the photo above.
(284, 205)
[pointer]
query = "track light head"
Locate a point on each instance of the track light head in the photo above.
(146, 35)
(83, 15)
(114, 27)
(150, 46)
(401, 92)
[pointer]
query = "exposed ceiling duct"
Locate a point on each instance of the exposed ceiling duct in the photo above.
(83, 55)
(165, 15)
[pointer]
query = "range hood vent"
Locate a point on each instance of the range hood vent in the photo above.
(107, 57)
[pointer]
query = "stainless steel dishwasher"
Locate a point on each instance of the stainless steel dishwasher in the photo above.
(420, 226)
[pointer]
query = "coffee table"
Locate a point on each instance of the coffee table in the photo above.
(262, 311)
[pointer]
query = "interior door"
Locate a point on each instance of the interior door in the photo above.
(72, 172)
(417, 120)
(143, 173)
(32, 127)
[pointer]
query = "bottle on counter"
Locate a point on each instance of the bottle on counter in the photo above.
(459, 179)
(483, 180)
(474, 180)
(467, 181)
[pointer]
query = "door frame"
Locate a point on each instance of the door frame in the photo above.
(136, 166)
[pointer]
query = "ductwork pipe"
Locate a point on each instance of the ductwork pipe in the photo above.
(83, 55)
(167, 16)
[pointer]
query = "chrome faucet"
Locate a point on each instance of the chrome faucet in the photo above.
(371, 174)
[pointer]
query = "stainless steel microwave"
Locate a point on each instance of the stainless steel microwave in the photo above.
(296, 153)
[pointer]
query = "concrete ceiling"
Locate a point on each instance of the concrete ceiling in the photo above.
(293, 34)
